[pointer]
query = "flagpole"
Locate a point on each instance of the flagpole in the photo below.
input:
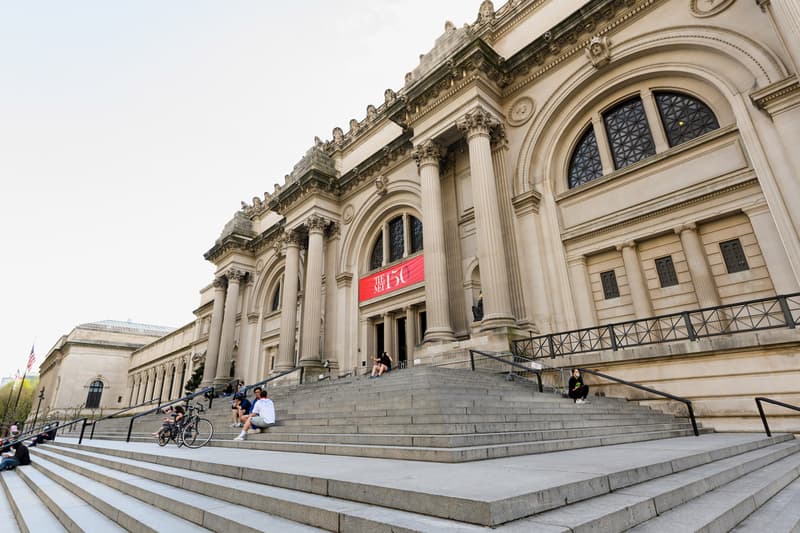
(19, 392)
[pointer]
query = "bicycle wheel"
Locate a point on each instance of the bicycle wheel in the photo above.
(197, 433)
(163, 438)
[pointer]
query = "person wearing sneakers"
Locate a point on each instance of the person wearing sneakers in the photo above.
(262, 416)
(578, 390)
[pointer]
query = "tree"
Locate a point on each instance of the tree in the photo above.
(9, 412)
(194, 381)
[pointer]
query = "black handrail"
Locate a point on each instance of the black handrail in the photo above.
(760, 399)
(112, 415)
(186, 399)
(512, 363)
(652, 391)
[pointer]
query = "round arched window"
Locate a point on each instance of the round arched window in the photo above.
(95, 393)
(403, 235)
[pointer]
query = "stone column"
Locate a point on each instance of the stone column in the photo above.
(702, 278)
(176, 381)
(289, 304)
(228, 328)
(212, 350)
(654, 120)
(477, 125)
(410, 335)
(786, 15)
(440, 328)
(640, 294)
(582, 292)
(778, 265)
(312, 306)
(387, 335)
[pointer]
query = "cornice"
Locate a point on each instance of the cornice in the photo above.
(269, 237)
(227, 245)
(527, 202)
(379, 162)
(779, 96)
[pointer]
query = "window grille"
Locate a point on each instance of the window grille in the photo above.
(684, 117)
(396, 239)
(733, 255)
(629, 133)
(376, 259)
(610, 287)
(585, 165)
(416, 234)
(95, 392)
(666, 271)
(276, 299)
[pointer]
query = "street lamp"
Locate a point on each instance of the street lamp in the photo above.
(41, 397)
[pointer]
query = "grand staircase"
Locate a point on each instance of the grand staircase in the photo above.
(339, 461)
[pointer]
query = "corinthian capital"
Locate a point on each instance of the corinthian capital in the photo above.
(477, 122)
(235, 275)
(316, 223)
(292, 238)
(219, 282)
(428, 153)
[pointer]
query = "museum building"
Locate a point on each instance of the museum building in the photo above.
(553, 165)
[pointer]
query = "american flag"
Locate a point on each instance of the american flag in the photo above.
(31, 359)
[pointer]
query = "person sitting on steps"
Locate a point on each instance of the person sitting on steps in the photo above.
(262, 416)
(383, 364)
(19, 457)
(578, 390)
(175, 416)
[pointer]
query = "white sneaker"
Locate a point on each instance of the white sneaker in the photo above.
(240, 437)
(579, 401)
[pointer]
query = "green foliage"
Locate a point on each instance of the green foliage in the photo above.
(8, 397)
(194, 381)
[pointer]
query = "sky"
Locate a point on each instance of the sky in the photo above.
(130, 131)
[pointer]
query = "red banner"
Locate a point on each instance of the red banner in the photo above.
(391, 279)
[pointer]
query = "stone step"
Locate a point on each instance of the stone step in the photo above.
(630, 506)
(30, 512)
(73, 513)
(7, 517)
(781, 514)
(467, 493)
(127, 511)
(723, 508)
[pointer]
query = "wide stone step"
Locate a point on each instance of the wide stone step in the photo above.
(489, 493)
(627, 507)
(197, 510)
(725, 507)
(781, 514)
(30, 513)
(73, 513)
(7, 517)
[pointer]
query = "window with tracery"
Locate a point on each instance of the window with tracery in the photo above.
(396, 239)
(684, 117)
(95, 393)
(628, 133)
(276, 299)
(416, 235)
(585, 165)
(376, 258)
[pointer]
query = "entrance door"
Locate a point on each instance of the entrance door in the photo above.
(402, 349)
(379, 347)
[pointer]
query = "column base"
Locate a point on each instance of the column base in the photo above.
(439, 335)
(497, 321)
(314, 373)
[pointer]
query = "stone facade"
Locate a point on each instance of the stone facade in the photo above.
(86, 370)
(555, 164)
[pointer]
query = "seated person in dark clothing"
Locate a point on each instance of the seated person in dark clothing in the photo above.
(383, 364)
(578, 390)
(19, 457)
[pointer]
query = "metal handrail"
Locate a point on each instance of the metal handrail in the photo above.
(538, 372)
(781, 311)
(652, 391)
(112, 415)
(173, 402)
(760, 399)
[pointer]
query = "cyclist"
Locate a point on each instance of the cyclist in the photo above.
(169, 425)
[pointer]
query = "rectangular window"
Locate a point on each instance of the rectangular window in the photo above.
(732, 253)
(666, 271)
(609, 281)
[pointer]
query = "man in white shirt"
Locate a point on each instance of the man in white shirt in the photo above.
(262, 416)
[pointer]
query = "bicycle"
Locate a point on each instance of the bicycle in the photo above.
(196, 431)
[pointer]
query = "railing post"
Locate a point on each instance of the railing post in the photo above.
(612, 337)
(551, 345)
(472, 360)
(691, 417)
(687, 321)
(787, 313)
(83, 428)
(91, 433)
(763, 417)
(130, 429)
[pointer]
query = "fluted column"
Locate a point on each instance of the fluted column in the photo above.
(212, 350)
(312, 297)
(478, 125)
(702, 278)
(228, 327)
(410, 336)
(289, 304)
(176, 381)
(437, 303)
(640, 295)
(786, 14)
(582, 292)
(387, 335)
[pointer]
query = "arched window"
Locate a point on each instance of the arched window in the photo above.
(276, 299)
(376, 258)
(585, 165)
(628, 133)
(684, 117)
(95, 392)
(171, 382)
(395, 232)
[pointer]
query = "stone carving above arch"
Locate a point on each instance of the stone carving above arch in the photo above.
(521, 111)
(599, 51)
(348, 213)
(709, 8)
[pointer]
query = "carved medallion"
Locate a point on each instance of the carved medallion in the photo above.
(521, 111)
(348, 214)
(708, 8)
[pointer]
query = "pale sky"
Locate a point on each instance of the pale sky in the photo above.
(131, 130)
